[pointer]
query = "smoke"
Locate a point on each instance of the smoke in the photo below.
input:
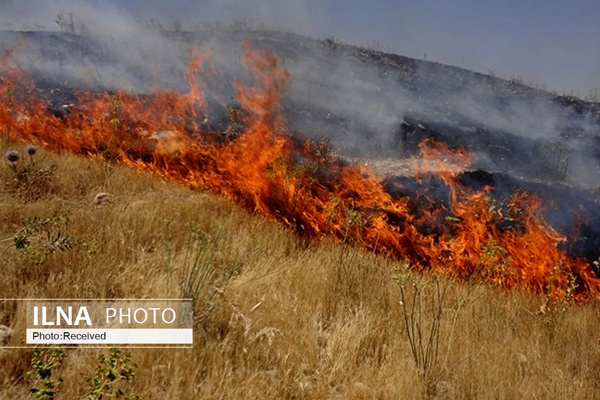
(551, 44)
(367, 103)
(371, 105)
(360, 105)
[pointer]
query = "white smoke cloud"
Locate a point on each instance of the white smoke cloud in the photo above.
(121, 53)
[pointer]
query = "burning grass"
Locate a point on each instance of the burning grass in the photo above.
(299, 184)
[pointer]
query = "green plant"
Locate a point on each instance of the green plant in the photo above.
(112, 371)
(39, 237)
(495, 261)
(323, 149)
(44, 361)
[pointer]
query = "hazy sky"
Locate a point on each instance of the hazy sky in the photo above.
(551, 43)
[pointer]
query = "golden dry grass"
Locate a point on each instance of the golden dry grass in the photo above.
(280, 318)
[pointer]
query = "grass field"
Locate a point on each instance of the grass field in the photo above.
(276, 316)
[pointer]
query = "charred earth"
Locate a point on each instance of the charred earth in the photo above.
(358, 105)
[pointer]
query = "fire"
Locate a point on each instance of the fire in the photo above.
(299, 184)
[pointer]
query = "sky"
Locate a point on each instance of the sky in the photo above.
(552, 44)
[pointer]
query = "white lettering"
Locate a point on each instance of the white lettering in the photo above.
(83, 314)
(154, 314)
(163, 315)
(110, 315)
(121, 315)
(136, 313)
(44, 320)
(68, 318)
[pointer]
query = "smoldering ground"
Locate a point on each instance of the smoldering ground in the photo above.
(370, 104)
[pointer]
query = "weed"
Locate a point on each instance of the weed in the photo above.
(31, 180)
(43, 365)
(40, 237)
(342, 285)
(495, 262)
(554, 308)
(423, 311)
(202, 280)
(111, 372)
(200, 269)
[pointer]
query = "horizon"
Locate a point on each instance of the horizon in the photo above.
(552, 45)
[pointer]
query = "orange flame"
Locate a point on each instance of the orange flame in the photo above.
(313, 193)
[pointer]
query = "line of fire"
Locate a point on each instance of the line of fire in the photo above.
(437, 219)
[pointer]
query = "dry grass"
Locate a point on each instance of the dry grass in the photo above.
(276, 317)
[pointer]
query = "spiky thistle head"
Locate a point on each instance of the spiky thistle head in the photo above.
(12, 156)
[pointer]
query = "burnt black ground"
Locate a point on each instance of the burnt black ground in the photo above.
(370, 104)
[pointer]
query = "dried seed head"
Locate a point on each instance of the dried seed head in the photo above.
(12, 156)
(30, 149)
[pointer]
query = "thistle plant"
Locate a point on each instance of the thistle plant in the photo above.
(12, 156)
(31, 150)
(30, 180)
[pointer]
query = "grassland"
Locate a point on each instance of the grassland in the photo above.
(276, 316)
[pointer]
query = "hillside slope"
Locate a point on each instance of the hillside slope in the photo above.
(371, 106)
(278, 316)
